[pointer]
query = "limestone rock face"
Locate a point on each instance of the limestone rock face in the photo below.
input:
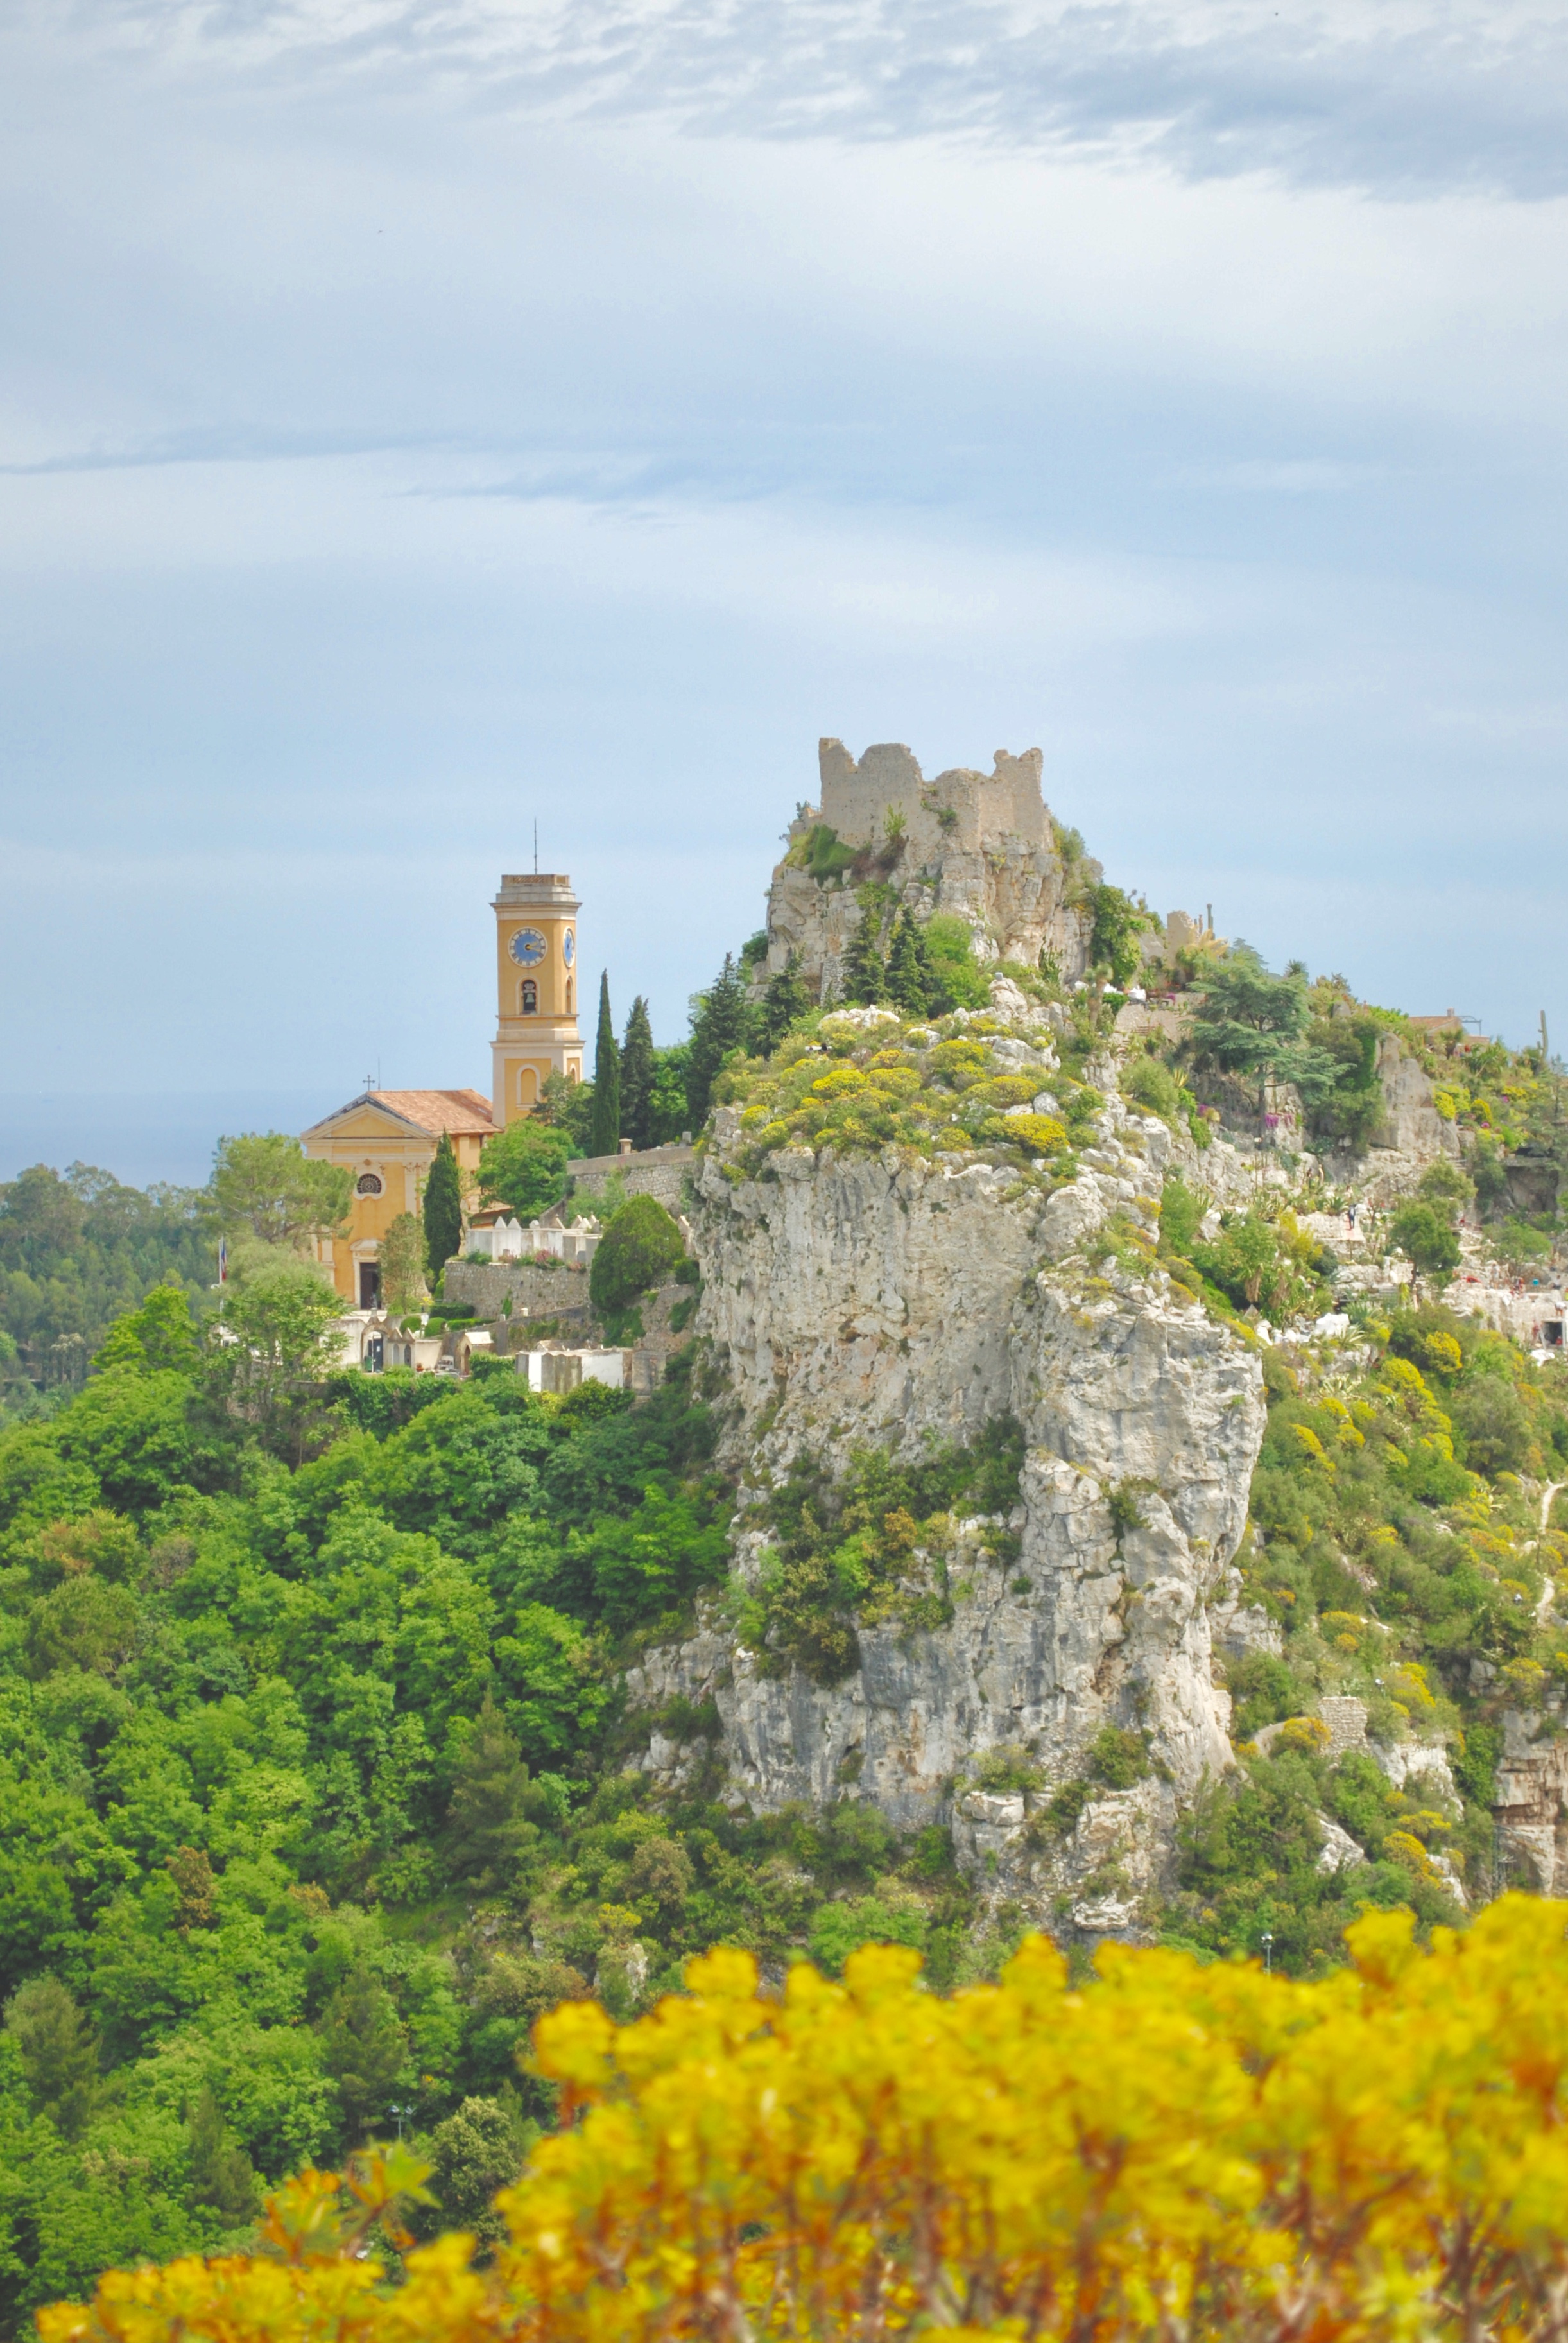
(980, 845)
(891, 1302)
(1532, 1800)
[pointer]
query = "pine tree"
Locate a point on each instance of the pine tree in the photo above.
(912, 980)
(363, 2048)
(721, 1022)
(223, 2176)
(488, 1836)
(863, 978)
(638, 1067)
(606, 1137)
(443, 1206)
(784, 1000)
(57, 2051)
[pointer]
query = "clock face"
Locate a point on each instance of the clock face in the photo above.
(527, 947)
(568, 947)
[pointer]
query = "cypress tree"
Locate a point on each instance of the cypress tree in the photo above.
(721, 1022)
(443, 1207)
(637, 1068)
(605, 1136)
(490, 1835)
(863, 976)
(784, 1000)
(911, 981)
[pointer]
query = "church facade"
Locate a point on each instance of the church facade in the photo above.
(387, 1139)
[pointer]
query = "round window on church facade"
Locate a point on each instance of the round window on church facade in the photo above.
(368, 1185)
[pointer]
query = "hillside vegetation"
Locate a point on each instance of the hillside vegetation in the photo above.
(1214, 2153)
(319, 1781)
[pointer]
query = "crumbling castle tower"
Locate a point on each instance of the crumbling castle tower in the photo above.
(982, 846)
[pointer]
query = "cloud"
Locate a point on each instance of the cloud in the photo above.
(1399, 97)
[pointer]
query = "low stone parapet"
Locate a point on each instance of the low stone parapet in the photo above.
(535, 1291)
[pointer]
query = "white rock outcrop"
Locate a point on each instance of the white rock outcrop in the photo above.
(893, 1302)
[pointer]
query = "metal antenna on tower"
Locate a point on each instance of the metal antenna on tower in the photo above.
(535, 846)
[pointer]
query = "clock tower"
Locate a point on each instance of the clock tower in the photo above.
(535, 991)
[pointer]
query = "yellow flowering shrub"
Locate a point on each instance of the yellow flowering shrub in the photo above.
(1175, 2151)
(894, 1085)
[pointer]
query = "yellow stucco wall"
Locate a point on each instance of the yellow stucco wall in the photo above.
(366, 1144)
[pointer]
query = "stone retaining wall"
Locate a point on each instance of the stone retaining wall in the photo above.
(657, 1172)
(535, 1292)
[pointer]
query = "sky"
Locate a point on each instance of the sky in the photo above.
(421, 417)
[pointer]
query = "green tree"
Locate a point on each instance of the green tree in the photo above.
(363, 2049)
(476, 2153)
(59, 2051)
(721, 1022)
(223, 2176)
(401, 1256)
(491, 1835)
(862, 972)
(960, 981)
(443, 1206)
(1519, 1246)
(1489, 1174)
(568, 1106)
(1491, 1417)
(524, 1166)
(605, 1139)
(784, 1001)
(1355, 1108)
(276, 1322)
(1427, 1237)
(639, 1250)
(1119, 921)
(638, 1067)
(912, 980)
(671, 1103)
(1251, 1024)
(80, 1623)
(159, 1334)
(1445, 1188)
(263, 1185)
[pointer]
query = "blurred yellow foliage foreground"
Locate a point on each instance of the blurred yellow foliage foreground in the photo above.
(1177, 2151)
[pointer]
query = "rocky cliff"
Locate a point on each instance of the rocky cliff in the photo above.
(879, 1302)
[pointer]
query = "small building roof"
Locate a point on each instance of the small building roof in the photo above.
(439, 1111)
(459, 1111)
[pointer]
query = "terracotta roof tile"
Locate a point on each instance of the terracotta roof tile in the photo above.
(437, 1111)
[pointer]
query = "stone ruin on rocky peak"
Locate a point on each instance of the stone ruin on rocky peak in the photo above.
(983, 846)
(856, 1301)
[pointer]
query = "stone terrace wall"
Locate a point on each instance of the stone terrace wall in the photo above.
(535, 1292)
(656, 1171)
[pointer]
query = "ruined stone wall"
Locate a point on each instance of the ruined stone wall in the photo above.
(973, 812)
(980, 845)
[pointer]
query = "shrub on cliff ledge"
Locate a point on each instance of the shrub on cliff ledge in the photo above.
(640, 1249)
(859, 1089)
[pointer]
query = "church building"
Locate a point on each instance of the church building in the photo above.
(387, 1139)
